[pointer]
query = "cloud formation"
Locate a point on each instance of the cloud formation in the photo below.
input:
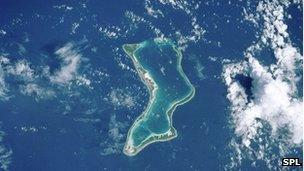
(263, 96)
(114, 143)
(71, 59)
(29, 79)
(5, 153)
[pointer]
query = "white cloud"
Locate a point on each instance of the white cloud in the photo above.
(29, 78)
(2, 32)
(121, 98)
(273, 95)
(74, 27)
(83, 80)
(35, 90)
(151, 11)
(21, 49)
(22, 70)
(197, 32)
(198, 66)
(111, 32)
(114, 143)
(64, 7)
(5, 153)
(273, 101)
(71, 59)
(3, 86)
(182, 37)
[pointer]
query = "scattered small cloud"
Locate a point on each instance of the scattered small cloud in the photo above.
(120, 98)
(2, 32)
(22, 70)
(71, 59)
(5, 153)
(156, 13)
(114, 143)
(265, 98)
(35, 90)
(63, 7)
(74, 27)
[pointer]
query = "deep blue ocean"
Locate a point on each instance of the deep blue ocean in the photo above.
(71, 125)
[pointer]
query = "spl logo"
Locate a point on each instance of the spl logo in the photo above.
(291, 162)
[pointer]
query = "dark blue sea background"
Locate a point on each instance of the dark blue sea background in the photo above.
(72, 129)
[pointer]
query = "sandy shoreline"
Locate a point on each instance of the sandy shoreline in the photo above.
(129, 148)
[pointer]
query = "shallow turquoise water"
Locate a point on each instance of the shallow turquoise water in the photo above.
(82, 128)
(162, 62)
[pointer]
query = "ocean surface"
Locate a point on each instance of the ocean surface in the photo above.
(69, 93)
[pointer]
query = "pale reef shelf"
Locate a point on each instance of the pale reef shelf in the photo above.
(158, 63)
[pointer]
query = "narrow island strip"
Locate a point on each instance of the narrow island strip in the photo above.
(158, 63)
